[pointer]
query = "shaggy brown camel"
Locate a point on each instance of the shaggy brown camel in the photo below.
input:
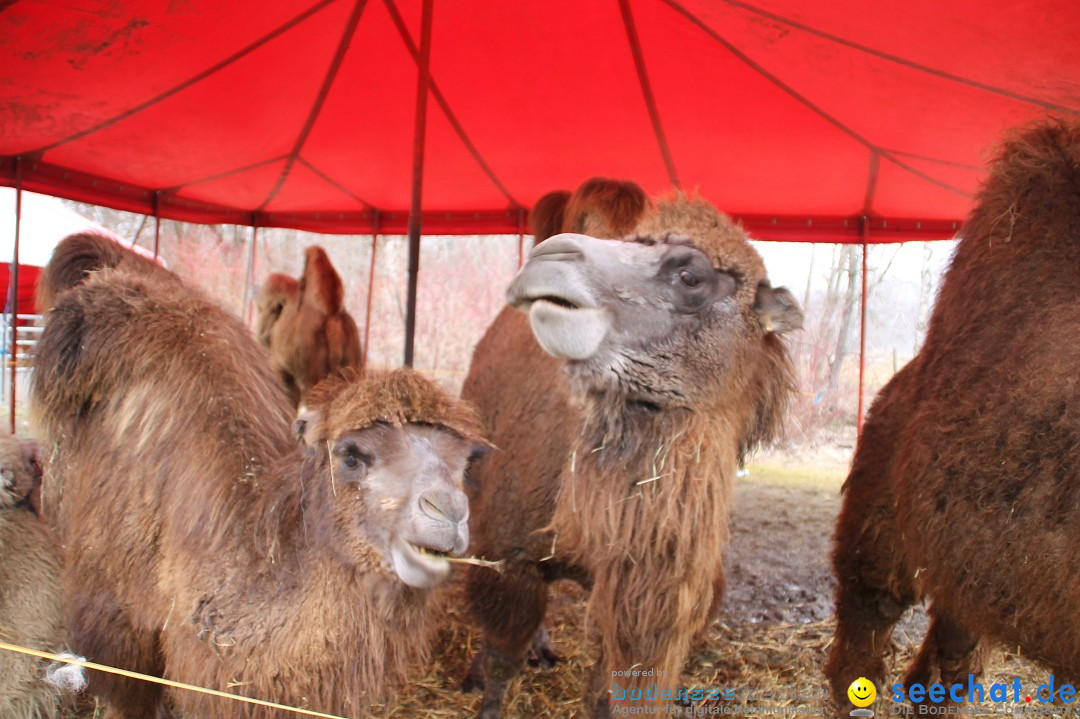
(670, 379)
(205, 544)
(965, 487)
(304, 324)
(31, 606)
(610, 208)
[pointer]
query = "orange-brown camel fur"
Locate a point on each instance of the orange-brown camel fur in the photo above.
(965, 487)
(611, 208)
(304, 324)
(205, 544)
(669, 380)
(31, 601)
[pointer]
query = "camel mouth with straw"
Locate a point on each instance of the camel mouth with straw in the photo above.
(423, 566)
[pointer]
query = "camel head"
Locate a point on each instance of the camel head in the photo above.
(391, 452)
(664, 318)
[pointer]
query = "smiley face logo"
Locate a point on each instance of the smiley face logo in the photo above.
(862, 692)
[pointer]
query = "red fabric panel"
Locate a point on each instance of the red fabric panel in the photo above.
(28, 275)
(800, 116)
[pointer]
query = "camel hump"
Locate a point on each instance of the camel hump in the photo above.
(1034, 182)
(73, 259)
(320, 285)
(547, 216)
(605, 208)
(343, 342)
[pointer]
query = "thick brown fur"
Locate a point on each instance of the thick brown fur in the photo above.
(634, 502)
(965, 486)
(547, 215)
(77, 255)
(507, 356)
(204, 544)
(605, 208)
(306, 327)
(31, 601)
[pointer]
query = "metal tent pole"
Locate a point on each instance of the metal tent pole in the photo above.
(418, 176)
(157, 223)
(521, 236)
(864, 232)
(13, 287)
(249, 279)
(371, 283)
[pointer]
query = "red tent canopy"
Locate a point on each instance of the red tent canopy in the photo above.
(798, 117)
(28, 276)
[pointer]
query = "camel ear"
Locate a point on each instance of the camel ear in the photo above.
(777, 310)
(308, 426)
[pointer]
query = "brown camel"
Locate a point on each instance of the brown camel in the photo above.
(31, 606)
(610, 208)
(670, 379)
(304, 324)
(205, 544)
(965, 487)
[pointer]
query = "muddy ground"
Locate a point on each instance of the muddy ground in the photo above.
(774, 631)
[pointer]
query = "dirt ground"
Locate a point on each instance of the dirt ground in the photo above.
(774, 631)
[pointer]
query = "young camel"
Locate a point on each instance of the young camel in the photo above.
(204, 543)
(670, 379)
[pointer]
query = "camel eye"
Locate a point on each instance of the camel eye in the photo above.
(689, 279)
(354, 458)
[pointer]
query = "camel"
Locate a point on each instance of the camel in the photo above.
(304, 324)
(31, 607)
(207, 541)
(610, 208)
(618, 475)
(964, 486)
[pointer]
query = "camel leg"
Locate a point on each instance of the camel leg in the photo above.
(874, 588)
(510, 609)
(101, 630)
(948, 654)
(598, 690)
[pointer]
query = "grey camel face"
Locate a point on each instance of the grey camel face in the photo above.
(623, 313)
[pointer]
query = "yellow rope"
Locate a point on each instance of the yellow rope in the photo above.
(159, 680)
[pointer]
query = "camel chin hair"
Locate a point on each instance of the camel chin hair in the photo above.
(569, 334)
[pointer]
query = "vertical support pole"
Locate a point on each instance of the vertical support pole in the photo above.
(13, 287)
(864, 233)
(249, 279)
(157, 223)
(419, 134)
(371, 284)
(521, 236)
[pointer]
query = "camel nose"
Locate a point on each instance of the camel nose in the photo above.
(450, 508)
(566, 247)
